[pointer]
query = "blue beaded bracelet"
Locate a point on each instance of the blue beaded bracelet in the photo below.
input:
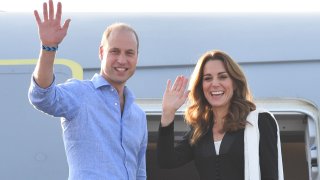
(47, 48)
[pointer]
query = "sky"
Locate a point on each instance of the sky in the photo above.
(167, 5)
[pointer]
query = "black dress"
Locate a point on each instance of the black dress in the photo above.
(229, 164)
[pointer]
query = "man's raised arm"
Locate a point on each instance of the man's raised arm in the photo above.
(51, 35)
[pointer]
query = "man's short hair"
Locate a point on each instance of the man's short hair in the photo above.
(114, 26)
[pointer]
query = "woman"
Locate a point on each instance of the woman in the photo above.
(229, 139)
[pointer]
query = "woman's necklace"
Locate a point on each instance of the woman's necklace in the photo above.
(217, 130)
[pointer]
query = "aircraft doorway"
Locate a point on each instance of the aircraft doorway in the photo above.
(292, 127)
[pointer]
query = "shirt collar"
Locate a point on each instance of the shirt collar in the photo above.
(99, 81)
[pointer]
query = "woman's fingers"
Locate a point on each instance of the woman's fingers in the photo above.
(168, 87)
(186, 94)
(176, 83)
(183, 86)
(178, 88)
(180, 83)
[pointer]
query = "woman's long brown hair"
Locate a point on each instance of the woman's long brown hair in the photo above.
(199, 113)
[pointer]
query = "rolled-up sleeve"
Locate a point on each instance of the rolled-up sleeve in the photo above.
(56, 100)
(41, 98)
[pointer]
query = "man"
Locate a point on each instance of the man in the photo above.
(104, 131)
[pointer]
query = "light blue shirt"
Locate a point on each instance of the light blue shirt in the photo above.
(100, 142)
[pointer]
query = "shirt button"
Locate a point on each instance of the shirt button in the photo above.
(112, 89)
(116, 104)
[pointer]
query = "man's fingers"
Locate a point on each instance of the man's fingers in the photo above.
(59, 11)
(66, 25)
(51, 10)
(45, 12)
(36, 15)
